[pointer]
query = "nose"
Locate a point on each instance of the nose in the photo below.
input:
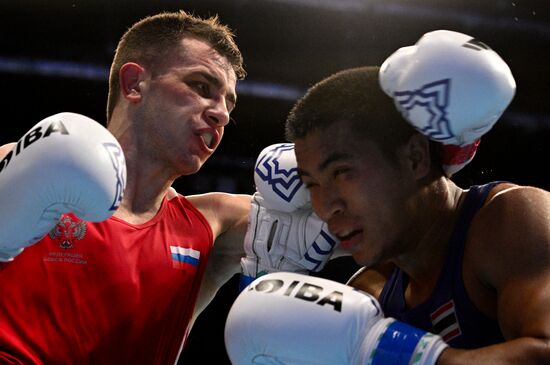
(326, 202)
(217, 113)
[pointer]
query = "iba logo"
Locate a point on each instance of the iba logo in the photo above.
(67, 231)
(302, 290)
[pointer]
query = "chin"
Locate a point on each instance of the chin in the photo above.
(361, 259)
(365, 259)
(190, 168)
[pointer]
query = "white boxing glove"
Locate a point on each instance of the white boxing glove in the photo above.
(450, 87)
(276, 178)
(284, 234)
(293, 319)
(65, 163)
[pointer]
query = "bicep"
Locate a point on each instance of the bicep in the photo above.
(224, 261)
(219, 270)
(227, 214)
(520, 268)
(232, 213)
(523, 288)
(523, 307)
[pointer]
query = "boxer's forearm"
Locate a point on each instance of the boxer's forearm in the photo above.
(5, 149)
(525, 351)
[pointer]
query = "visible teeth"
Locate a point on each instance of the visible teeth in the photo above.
(207, 138)
(344, 233)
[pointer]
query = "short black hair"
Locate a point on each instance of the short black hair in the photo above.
(355, 97)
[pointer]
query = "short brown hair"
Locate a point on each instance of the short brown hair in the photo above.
(149, 40)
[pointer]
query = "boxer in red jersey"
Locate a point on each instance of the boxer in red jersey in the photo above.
(123, 291)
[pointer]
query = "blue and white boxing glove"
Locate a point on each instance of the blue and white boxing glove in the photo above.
(452, 88)
(65, 163)
(284, 234)
(292, 319)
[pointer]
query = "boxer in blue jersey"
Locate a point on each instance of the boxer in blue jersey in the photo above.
(453, 275)
(448, 311)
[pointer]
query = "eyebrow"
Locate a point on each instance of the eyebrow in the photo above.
(331, 158)
(218, 84)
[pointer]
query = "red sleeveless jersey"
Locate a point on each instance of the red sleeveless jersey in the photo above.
(105, 293)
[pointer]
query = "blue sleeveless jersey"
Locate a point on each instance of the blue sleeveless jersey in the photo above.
(448, 311)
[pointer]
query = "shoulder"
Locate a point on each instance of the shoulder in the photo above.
(222, 210)
(522, 211)
(509, 249)
(511, 232)
(220, 202)
(510, 195)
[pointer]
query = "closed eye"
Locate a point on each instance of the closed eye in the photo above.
(340, 171)
(309, 184)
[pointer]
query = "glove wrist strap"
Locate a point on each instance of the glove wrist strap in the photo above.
(394, 342)
(244, 281)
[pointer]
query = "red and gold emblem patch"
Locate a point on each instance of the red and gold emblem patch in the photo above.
(67, 231)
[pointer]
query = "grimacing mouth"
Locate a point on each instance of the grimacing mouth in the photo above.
(207, 137)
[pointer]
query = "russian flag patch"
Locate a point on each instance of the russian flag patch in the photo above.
(181, 257)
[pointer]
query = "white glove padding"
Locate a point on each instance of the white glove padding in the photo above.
(65, 163)
(286, 318)
(284, 234)
(278, 241)
(450, 87)
(276, 178)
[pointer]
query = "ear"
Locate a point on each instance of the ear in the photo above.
(131, 74)
(416, 153)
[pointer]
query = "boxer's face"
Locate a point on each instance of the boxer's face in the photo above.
(362, 196)
(186, 105)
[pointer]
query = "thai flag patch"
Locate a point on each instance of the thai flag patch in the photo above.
(181, 257)
(445, 322)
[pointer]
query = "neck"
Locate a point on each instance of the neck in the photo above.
(147, 179)
(437, 207)
(143, 195)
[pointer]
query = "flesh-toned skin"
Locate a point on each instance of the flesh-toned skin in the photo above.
(391, 213)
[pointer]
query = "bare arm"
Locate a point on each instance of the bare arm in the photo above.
(4, 149)
(371, 280)
(516, 235)
(228, 217)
